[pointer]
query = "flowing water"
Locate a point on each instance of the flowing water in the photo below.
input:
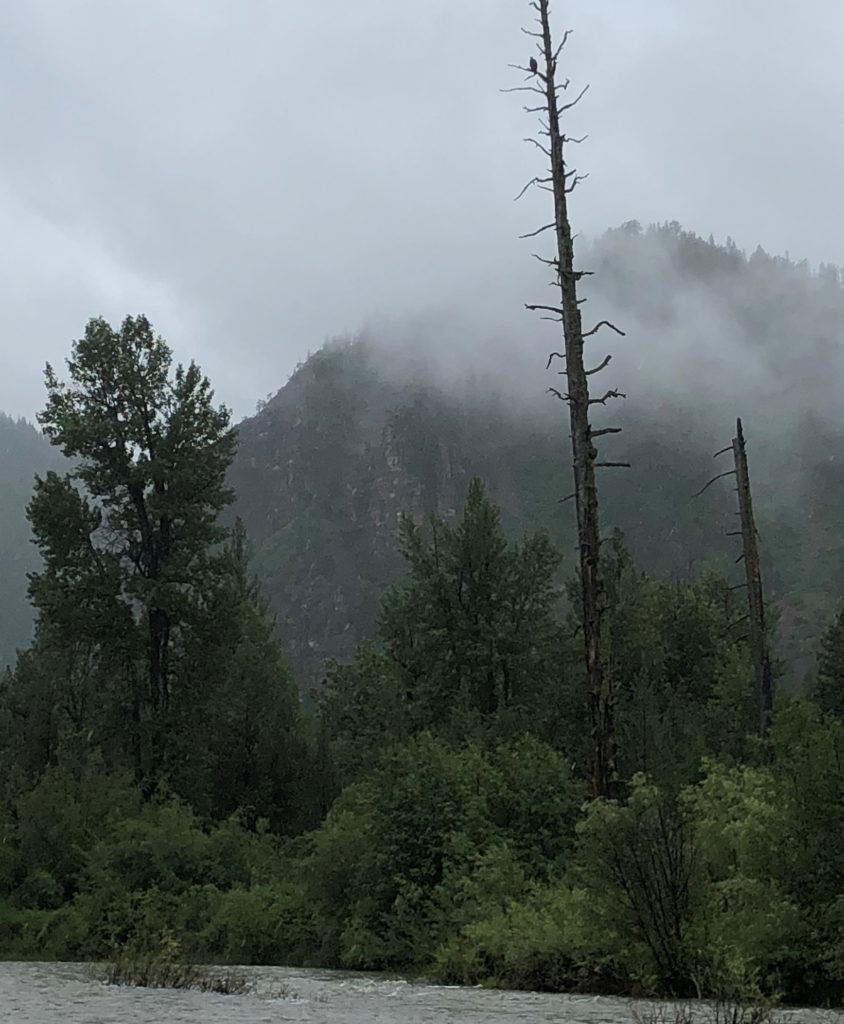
(66, 994)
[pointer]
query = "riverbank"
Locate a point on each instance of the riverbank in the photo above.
(33, 994)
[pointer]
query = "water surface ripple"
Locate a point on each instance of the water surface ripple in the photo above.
(66, 994)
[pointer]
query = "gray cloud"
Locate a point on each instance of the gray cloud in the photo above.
(257, 176)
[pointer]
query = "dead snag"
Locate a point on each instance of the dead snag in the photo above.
(757, 629)
(560, 181)
(755, 598)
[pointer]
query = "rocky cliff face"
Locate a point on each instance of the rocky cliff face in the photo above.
(324, 473)
(327, 468)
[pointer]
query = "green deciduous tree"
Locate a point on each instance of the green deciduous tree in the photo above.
(433, 837)
(128, 535)
(682, 677)
(640, 864)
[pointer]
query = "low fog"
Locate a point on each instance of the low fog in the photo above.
(260, 177)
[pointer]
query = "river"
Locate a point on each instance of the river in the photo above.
(66, 994)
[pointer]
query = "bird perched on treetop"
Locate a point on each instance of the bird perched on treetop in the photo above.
(534, 67)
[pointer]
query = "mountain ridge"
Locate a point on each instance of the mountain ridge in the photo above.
(367, 429)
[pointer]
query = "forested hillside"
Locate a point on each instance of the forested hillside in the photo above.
(23, 453)
(361, 434)
(366, 429)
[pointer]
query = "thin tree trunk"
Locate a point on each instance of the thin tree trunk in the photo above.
(755, 597)
(599, 682)
(159, 642)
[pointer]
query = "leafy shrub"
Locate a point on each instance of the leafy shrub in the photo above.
(158, 965)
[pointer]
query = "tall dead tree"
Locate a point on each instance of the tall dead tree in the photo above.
(757, 631)
(755, 598)
(561, 182)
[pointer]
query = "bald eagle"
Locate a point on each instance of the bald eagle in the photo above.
(534, 67)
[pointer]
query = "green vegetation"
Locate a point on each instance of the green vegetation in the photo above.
(161, 967)
(166, 800)
(710, 334)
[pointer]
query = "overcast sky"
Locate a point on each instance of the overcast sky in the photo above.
(258, 175)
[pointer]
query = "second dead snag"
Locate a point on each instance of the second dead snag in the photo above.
(755, 598)
(542, 79)
(758, 630)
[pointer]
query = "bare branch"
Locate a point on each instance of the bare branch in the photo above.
(554, 355)
(536, 35)
(598, 368)
(539, 145)
(729, 448)
(577, 142)
(604, 323)
(548, 309)
(740, 558)
(729, 472)
(733, 624)
(568, 497)
(533, 181)
(604, 430)
(575, 101)
(563, 42)
(530, 72)
(533, 234)
(612, 393)
(559, 394)
(524, 88)
(618, 465)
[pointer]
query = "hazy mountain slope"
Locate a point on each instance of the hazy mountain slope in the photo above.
(327, 466)
(23, 453)
(366, 430)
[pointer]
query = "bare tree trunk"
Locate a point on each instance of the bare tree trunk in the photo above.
(755, 598)
(562, 182)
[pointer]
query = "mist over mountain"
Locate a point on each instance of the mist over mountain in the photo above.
(386, 424)
(399, 418)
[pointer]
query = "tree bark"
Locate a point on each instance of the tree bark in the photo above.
(755, 597)
(159, 644)
(601, 700)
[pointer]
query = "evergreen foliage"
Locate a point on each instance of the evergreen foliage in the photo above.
(162, 788)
